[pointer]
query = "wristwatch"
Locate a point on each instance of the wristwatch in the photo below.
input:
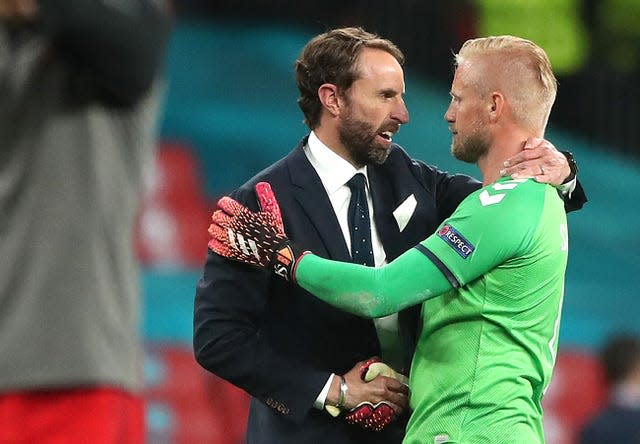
(573, 166)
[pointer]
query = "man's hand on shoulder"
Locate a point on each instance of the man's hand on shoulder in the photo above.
(541, 160)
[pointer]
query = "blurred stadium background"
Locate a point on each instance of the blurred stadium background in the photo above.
(230, 110)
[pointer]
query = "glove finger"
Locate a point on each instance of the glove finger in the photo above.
(269, 204)
(223, 249)
(217, 247)
(222, 234)
(371, 417)
(359, 414)
(220, 248)
(243, 249)
(224, 220)
(390, 407)
(364, 368)
(376, 369)
(230, 206)
(222, 240)
(382, 416)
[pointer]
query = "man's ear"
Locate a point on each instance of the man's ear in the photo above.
(328, 95)
(497, 106)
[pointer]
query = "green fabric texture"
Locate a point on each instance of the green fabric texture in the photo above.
(487, 349)
(372, 292)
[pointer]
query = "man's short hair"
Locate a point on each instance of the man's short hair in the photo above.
(332, 57)
(525, 75)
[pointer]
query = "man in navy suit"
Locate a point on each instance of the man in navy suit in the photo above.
(294, 354)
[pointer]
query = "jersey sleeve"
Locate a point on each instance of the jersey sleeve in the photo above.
(372, 292)
(489, 227)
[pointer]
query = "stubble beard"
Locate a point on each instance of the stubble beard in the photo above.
(471, 148)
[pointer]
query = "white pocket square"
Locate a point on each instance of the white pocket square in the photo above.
(404, 211)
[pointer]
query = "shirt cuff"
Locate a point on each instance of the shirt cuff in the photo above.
(567, 188)
(322, 397)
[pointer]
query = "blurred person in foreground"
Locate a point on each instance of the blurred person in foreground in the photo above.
(619, 422)
(78, 111)
(293, 353)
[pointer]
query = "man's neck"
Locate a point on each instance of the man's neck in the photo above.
(490, 166)
(506, 144)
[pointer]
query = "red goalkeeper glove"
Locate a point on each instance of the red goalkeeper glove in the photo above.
(374, 416)
(371, 417)
(255, 238)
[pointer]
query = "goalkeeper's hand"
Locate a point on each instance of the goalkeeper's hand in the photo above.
(255, 238)
(375, 415)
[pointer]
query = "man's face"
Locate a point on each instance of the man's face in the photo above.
(466, 117)
(373, 108)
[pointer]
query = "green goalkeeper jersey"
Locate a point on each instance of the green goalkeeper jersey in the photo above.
(488, 342)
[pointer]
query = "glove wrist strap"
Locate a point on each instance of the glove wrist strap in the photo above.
(285, 259)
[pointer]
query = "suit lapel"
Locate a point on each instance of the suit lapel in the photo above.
(312, 197)
(384, 202)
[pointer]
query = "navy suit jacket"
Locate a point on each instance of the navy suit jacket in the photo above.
(280, 343)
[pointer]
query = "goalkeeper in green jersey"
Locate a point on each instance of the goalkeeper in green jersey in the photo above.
(491, 278)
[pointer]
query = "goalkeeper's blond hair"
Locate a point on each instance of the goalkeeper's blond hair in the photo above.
(525, 76)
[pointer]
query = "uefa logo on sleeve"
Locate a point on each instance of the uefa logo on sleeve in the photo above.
(455, 240)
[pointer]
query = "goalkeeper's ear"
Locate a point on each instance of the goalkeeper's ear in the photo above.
(269, 204)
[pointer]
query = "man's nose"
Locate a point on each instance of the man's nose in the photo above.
(449, 115)
(401, 113)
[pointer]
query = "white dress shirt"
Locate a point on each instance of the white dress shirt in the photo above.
(335, 172)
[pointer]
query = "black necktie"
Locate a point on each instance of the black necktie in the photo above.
(358, 218)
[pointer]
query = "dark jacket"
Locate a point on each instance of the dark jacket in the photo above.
(280, 343)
